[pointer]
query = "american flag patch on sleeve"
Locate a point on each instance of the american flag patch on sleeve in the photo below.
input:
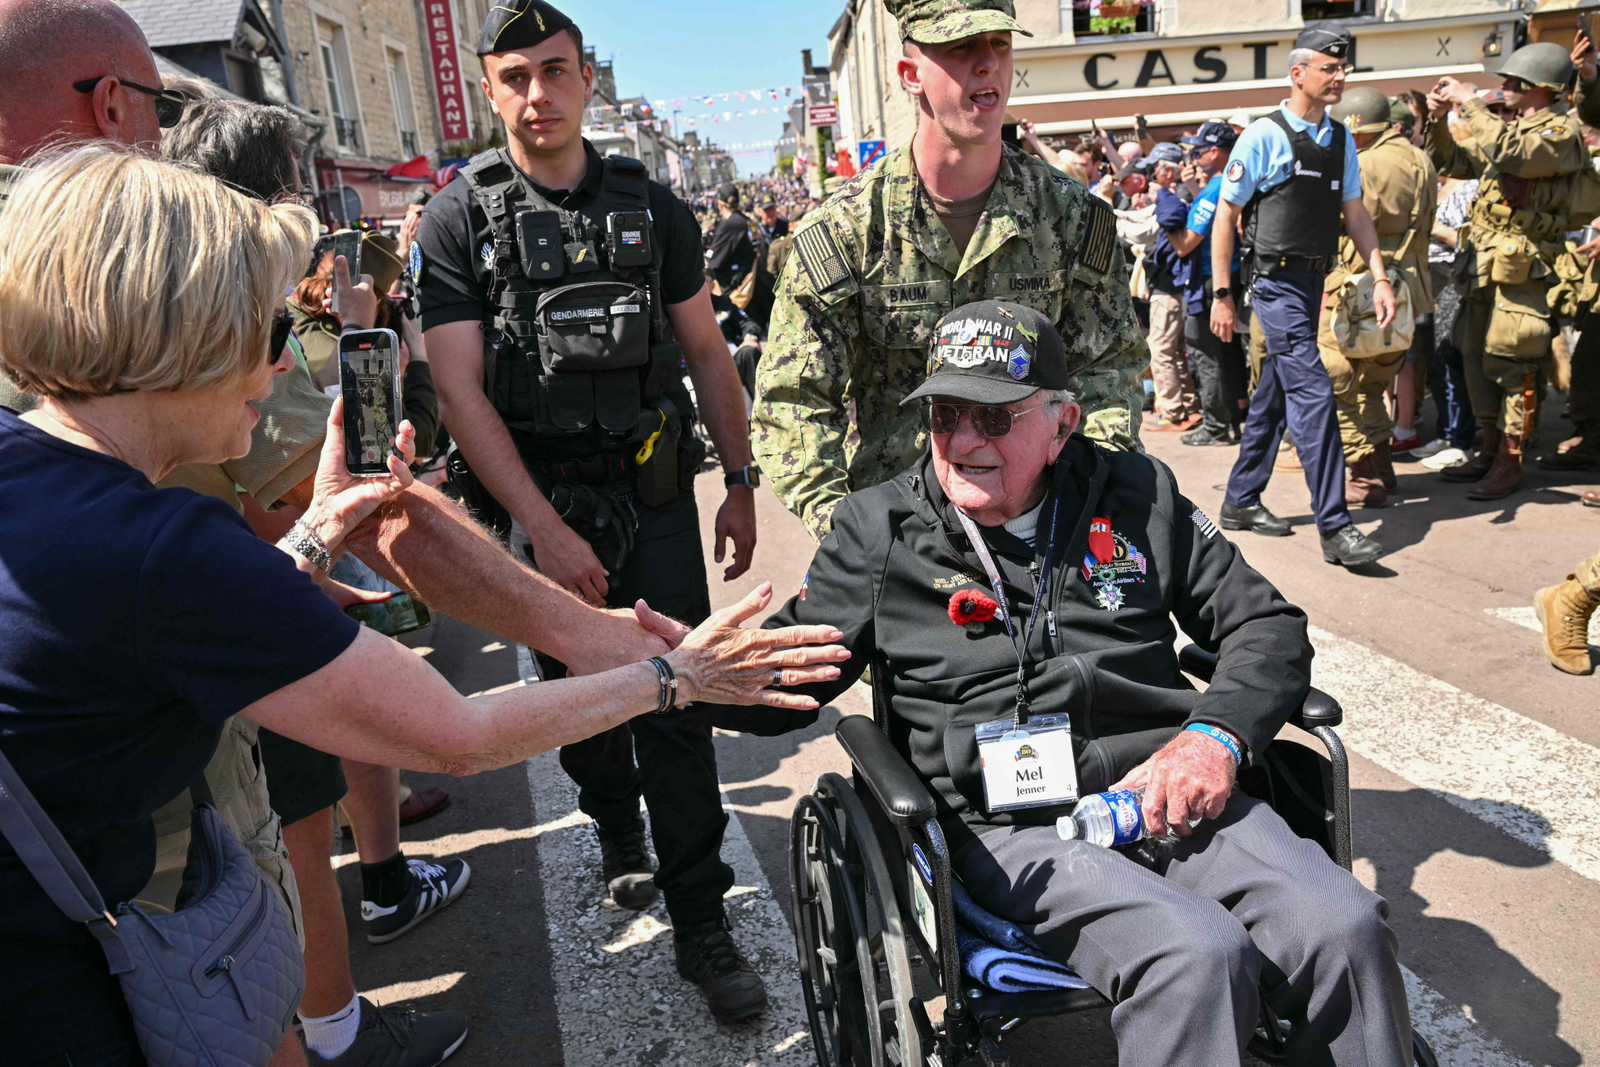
(1206, 527)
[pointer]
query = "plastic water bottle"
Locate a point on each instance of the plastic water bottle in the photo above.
(1105, 819)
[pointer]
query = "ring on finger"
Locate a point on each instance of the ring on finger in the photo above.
(777, 676)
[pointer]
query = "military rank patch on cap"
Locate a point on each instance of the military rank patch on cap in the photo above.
(1099, 236)
(820, 257)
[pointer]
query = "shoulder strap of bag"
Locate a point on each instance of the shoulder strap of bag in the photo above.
(51, 861)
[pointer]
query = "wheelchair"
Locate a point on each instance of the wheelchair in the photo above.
(875, 948)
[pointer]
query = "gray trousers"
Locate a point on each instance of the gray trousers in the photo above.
(1183, 946)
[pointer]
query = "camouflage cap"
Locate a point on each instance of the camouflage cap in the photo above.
(939, 21)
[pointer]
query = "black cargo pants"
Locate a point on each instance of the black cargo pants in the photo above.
(667, 759)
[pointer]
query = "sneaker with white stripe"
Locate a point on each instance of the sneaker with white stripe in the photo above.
(433, 886)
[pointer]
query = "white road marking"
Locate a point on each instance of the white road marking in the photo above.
(1533, 782)
(1455, 1039)
(1525, 617)
(618, 992)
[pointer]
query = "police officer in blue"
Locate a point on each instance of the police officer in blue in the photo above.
(1292, 175)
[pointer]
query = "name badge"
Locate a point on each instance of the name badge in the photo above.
(1030, 767)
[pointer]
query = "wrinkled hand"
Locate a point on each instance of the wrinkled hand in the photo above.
(670, 630)
(1224, 319)
(1190, 779)
(342, 499)
(357, 304)
(568, 560)
(719, 662)
(736, 520)
(1383, 303)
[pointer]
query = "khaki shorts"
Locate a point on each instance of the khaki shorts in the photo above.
(239, 785)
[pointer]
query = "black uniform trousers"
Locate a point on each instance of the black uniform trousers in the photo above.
(1294, 389)
(667, 759)
(1219, 370)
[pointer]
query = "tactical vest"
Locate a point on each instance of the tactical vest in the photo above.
(1300, 218)
(579, 358)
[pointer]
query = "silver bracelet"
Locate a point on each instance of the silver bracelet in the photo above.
(304, 540)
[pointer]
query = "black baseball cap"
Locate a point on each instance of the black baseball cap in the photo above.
(1215, 133)
(1329, 38)
(513, 24)
(728, 193)
(993, 352)
(767, 201)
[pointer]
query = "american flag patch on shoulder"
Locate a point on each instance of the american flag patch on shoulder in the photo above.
(1206, 527)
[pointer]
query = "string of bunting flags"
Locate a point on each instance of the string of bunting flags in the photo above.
(767, 98)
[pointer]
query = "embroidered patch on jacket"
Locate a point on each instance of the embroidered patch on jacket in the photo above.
(820, 257)
(1235, 170)
(1099, 235)
(1203, 523)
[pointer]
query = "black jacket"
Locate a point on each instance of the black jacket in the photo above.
(731, 255)
(897, 553)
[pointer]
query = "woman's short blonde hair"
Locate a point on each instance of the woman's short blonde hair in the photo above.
(120, 272)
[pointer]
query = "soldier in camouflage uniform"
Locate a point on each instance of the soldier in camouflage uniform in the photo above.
(1531, 170)
(878, 264)
(1400, 190)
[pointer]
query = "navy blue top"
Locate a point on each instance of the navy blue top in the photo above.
(133, 622)
(1169, 269)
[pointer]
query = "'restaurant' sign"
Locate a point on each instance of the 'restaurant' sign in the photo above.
(445, 60)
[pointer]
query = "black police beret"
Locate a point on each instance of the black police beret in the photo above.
(1329, 38)
(519, 24)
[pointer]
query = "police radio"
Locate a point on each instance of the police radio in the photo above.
(628, 239)
(540, 245)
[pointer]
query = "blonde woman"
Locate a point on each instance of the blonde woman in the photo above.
(143, 305)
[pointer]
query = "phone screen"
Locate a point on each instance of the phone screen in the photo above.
(369, 378)
(347, 243)
(393, 617)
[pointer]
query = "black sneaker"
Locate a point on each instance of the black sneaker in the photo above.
(625, 865)
(709, 958)
(400, 1037)
(433, 885)
(1205, 437)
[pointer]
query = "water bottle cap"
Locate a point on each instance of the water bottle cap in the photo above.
(1067, 828)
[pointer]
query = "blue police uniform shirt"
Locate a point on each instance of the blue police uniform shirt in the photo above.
(1263, 159)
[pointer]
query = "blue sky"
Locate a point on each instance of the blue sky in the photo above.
(672, 49)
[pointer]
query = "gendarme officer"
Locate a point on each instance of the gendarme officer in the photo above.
(1293, 174)
(558, 293)
(952, 217)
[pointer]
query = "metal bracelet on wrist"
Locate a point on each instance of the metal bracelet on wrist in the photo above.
(304, 540)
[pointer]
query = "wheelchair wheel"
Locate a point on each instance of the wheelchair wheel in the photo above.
(854, 967)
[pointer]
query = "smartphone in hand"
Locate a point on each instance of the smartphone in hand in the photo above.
(398, 615)
(369, 379)
(347, 243)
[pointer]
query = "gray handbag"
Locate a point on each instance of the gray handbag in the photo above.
(215, 983)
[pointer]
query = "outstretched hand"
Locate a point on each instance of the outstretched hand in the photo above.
(720, 662)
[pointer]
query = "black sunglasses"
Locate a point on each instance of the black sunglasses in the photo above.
(169, 102)
(990, 420)
(282, 330)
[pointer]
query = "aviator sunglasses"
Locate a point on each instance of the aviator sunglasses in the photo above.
(989, 420)
(169, 102)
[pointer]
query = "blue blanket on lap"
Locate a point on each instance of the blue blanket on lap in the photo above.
(999, 955)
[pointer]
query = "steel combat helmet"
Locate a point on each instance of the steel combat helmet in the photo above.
(1542, 63)
(1363, 109)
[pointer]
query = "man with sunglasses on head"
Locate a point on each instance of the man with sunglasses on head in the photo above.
(955, 215)
(1529, 168)
(1017, 571)
(1292, 176)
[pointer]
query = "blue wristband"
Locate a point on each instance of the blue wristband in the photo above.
(1219, 735)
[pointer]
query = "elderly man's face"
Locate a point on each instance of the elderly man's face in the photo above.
(994, 479)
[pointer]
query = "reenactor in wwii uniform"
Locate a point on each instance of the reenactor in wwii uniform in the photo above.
(954, 217)
(1400, 189)
(1531, 172)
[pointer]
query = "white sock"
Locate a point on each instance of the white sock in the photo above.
(330, 1035)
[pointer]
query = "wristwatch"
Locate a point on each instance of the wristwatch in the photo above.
(749, 477)
(1222, 294)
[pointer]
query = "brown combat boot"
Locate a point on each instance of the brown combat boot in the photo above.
(1475, 468)
(1563, 612)
(1363, 488)
(1383, 463)
(1504, 477)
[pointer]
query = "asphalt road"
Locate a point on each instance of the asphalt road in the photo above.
(1476, 805)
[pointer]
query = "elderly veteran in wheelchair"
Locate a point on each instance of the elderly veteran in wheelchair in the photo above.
(1096, 553)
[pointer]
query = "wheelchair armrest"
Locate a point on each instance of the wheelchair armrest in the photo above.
(901, 793)
(1198, 662)
(1320, 709)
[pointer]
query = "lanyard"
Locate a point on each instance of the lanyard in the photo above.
(1020, 715)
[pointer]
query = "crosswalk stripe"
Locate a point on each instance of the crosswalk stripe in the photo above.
(1516, 774)
(1525, 617)
(617, 989)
